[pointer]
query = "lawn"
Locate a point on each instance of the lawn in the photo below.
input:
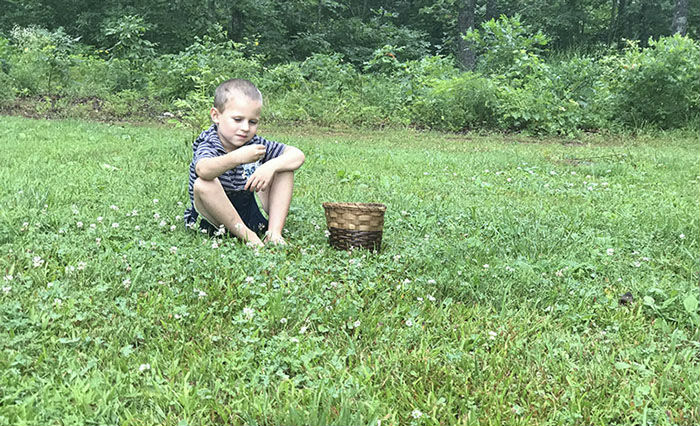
(495, 298)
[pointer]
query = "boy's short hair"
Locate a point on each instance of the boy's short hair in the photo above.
(227, 88)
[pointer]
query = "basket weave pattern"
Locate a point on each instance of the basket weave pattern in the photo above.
(355, 224)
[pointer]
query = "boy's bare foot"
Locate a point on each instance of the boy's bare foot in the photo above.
(275, 239)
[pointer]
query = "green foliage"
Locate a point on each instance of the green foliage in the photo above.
(201, 66)
(463, 102)
(657, 85)
(505, 44)
(43, 59)
(126, 36)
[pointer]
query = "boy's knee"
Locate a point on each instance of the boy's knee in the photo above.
(201, 186)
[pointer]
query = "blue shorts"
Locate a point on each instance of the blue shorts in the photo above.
(246, 206)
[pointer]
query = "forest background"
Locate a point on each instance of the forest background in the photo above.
(561, 66)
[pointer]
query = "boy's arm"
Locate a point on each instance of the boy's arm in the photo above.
(213, 167)
(291, 159)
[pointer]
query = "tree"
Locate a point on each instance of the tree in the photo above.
(680, 18)
(465, 22)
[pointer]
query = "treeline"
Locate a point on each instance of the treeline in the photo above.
(558, 66)
(293, 30)
(512, 87)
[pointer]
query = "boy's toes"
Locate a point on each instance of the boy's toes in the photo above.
(275, 239)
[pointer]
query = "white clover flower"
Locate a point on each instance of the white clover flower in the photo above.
(416, 414)
(113, 207)
(302, 330)
(553, 173)
(431, 281)
(327, 233)
(201, 294)
(162, 223)
(430, 297)
(283, 320)
(249, 279)
(492, 335)
(134, 212)
(81, 265)
(356, 323)
(37, 261)
(682, 236)
(610, 251)
(79, 224)
(214, 245)
(486, 266)
(100, 219)
(144, 367)
(115, 225)
(69, 269)
(248, 312)
(173, 249)
(409, 322)
(559, 273)
(156, 215)
(155, 201)
(6, 289)
(126, 283)
(173, 227)
(8, 278)
(57, 301)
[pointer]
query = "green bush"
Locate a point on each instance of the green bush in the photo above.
(500, 44)
(657, 85)
(201, 66)
(462, 102)
(43, 60)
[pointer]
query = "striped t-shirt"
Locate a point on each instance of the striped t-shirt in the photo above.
(208, 145)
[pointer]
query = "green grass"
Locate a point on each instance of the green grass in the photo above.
(493, 301)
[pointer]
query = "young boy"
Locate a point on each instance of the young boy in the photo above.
(230, 162)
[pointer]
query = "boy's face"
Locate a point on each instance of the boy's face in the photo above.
(238, 122)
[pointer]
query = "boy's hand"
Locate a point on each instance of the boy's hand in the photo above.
(250, 153)
(260, 179)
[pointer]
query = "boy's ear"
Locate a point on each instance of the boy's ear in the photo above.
(214, 114)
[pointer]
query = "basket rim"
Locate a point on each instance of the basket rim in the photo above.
(355, 206)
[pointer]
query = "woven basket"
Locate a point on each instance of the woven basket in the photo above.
(355, 224)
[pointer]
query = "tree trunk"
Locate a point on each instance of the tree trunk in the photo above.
(612, 29)
(680, 18)
(621, 24)
(490, 10)
(465, 21)
(236, 33)
(211, 11)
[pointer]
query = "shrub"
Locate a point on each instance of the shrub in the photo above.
(126, 36)
(43, 61)
(201, 66)
(500, 44)
(657, 85)
(462, 102)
